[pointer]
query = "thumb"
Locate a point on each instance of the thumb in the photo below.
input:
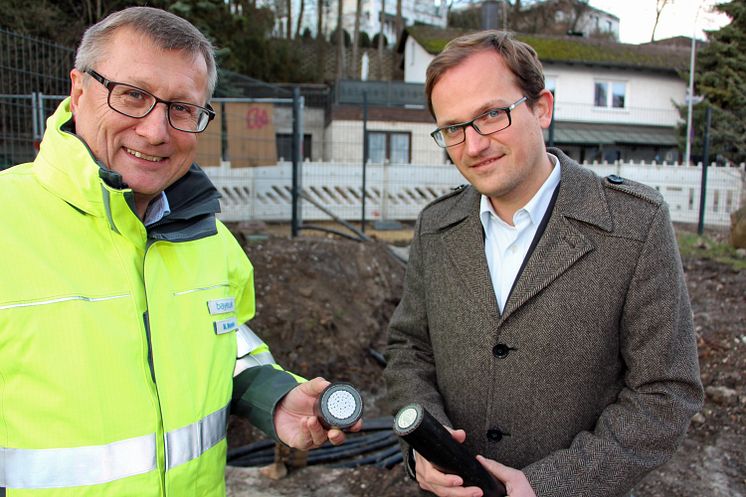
(314, 387)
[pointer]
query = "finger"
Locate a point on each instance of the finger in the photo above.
(427, 472)
(357, 426)
(502, 472)
(336, 436)
(317, 432)
(454, 491)
(458, 435)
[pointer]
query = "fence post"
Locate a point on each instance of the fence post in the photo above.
(385, 191)
(705, 163)
(41, 118)
(34, 119)
(365, 153)
(296, 215)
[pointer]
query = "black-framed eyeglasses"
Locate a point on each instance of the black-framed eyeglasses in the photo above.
(489, 122)
(135, 102)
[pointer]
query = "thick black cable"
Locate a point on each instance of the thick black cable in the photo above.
(317, 457)
(324, 454)
(247, 449)
(392, 460)
(371, 459)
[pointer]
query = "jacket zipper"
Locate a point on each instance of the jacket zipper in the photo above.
(151, 364)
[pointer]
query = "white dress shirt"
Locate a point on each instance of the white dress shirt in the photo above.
(506, 246)
(157, 209)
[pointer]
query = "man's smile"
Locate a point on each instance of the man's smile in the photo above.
(143, 156)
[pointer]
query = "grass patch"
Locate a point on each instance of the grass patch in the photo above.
(704, 247)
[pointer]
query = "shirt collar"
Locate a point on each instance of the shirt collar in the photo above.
(536, 207)
(158, 208)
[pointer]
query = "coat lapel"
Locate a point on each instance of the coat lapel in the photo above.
(561, 246)
(581, 197)
(464, 242)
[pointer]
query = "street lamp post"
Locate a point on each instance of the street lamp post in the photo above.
(690, 101)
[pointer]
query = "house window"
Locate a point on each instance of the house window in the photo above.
(285, 146)
(610, 94)
(393, 146)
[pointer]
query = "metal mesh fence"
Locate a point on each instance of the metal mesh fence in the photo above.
(28, 67)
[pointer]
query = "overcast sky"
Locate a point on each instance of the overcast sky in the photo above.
(636, 18)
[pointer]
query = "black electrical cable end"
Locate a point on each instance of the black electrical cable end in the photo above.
(427, 436)
(340, 405)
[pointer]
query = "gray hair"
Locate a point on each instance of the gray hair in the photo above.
(168, 31)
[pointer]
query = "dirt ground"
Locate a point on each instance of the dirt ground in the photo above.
(323, 304)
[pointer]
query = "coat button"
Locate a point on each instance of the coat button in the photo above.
(495, 434)
(501, 350)
(613, 178)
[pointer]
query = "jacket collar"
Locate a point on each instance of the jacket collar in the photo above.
(580, 197)
(67, 168)
(65, 165)
(581, 194)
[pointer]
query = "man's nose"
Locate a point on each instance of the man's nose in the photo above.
(475, 143)
(155, 126)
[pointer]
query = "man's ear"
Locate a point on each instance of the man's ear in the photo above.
(76, 88)
(544, 107)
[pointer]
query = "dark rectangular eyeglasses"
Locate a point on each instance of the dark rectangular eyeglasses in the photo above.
(489, 122)
(135, 102)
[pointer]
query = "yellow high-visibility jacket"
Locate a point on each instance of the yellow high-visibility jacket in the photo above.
(119, 343)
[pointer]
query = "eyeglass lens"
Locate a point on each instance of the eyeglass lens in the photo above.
(491, 121)
(136, 102)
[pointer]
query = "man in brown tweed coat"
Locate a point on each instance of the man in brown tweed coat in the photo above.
(545, 316)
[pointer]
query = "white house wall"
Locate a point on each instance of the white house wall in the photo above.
(344, 141)
(313, 124)
(649, 97)
(416, 60)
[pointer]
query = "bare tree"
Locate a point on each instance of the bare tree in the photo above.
(659, 6)
(93, 11)
(380, 39)
(399, 27)
(356, 41)
(289, 22)
(300, 19)
(320, 20)
(577, 10)
(340, 41)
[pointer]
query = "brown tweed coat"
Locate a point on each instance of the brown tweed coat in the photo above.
(589, 377)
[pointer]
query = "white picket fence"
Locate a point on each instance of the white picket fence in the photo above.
(400, 191)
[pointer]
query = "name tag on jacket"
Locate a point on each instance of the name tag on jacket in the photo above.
(221, 306)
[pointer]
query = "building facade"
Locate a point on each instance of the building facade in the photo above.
(613, 101)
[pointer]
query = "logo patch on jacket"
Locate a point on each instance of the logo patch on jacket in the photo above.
(221, 306)
(225, 325)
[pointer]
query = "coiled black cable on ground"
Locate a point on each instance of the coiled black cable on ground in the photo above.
(376, 445)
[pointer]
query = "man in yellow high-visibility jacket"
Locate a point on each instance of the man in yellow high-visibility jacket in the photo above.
(122, 299)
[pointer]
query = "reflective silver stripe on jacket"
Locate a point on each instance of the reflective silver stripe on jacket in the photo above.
(252, 361)
(77, 466)
(246, 341)
(62, 299)
(193, 440)
(204, 288)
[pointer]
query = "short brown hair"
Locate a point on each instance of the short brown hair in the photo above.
(520, 57)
